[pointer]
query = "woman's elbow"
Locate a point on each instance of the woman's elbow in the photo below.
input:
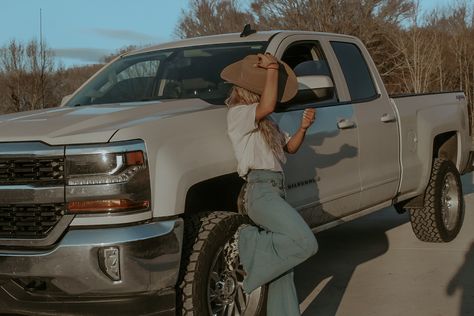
(290, 150)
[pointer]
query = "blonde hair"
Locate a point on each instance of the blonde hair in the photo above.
(241, 96)
(271, 133)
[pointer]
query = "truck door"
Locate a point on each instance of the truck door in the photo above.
(377, 127)
(322, 178)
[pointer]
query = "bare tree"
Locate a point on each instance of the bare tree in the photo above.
(67, 80)
(208, 17)
(26, 69)
(419, 55)
(456, 24)
(372, 21)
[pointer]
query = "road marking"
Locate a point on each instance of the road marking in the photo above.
(314, 293)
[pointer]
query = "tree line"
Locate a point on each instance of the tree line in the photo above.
(414, 51)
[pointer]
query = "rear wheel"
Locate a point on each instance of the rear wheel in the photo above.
(442, 215)
(208, 286)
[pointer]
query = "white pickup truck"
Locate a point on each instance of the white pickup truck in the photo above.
(119, 201)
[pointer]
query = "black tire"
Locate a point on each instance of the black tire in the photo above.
(436, 222)
(204, 237)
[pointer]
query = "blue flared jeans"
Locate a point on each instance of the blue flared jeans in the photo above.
(283, 240)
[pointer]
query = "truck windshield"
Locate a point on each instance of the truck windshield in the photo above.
(180, 73)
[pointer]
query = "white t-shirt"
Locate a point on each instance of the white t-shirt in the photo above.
(251, 150)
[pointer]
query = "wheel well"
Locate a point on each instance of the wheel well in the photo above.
(446, 146)
(215, 194)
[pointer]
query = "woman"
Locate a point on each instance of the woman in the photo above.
(269, 252)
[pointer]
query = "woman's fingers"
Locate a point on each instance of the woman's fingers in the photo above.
(309, 115)
(265, 59)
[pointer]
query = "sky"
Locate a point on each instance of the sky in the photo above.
(83, 31)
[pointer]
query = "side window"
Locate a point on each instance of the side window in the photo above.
(358, 78)
(314, 76)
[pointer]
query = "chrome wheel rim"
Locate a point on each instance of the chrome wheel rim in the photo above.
(450, 201)
(225, 294)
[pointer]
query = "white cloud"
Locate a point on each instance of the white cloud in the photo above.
(82, 54)
(125, 35)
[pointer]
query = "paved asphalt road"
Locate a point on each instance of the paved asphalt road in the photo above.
(375, 266)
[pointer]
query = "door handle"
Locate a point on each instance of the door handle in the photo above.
(345, 124)
(387, 118)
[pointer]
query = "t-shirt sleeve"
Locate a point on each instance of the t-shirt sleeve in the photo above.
(241, 119)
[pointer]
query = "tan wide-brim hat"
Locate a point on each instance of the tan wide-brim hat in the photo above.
(244, 73)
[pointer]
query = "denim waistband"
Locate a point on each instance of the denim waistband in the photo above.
(261, 175)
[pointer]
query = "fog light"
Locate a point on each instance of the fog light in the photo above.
(109, 262)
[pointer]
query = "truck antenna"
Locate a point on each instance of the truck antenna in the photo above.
(247, 31)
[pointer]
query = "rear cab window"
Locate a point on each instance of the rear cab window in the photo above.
(356, 71)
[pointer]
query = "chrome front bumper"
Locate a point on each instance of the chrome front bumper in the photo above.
(72, 274)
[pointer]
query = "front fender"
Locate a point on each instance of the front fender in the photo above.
(182, 151)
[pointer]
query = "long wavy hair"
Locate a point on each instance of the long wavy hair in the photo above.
(271, 133)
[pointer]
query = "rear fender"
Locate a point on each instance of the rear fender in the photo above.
(431, 123)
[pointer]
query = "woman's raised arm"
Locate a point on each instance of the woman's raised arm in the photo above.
(268, 98)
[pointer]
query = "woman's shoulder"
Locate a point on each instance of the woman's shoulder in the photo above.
(242, 117)
(242, 109)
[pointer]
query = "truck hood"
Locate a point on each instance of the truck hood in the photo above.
(86, 124)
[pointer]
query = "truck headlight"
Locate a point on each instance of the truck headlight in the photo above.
(104, 168)
(107, 178)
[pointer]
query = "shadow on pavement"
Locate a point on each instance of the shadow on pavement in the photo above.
(467, 183)
(341, 250)
(464, 282)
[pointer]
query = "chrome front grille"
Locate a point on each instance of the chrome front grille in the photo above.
(29, 221)
(31, 170)
(32, 203)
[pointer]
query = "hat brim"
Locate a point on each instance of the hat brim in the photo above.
(244, 73)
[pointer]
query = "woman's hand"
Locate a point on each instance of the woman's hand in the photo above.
(309, 115)
(267, 61)
(297, 139)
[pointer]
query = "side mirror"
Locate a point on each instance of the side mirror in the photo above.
(314, 82)
(65, 99)
(317, 88)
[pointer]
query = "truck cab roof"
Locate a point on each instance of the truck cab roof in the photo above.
(230, 38)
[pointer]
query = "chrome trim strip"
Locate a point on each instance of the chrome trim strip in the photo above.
(31, 194)
(110, 219)
(30, 149)
(104, 237)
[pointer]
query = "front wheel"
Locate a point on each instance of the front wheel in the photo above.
(208, 286)
(442, 215)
